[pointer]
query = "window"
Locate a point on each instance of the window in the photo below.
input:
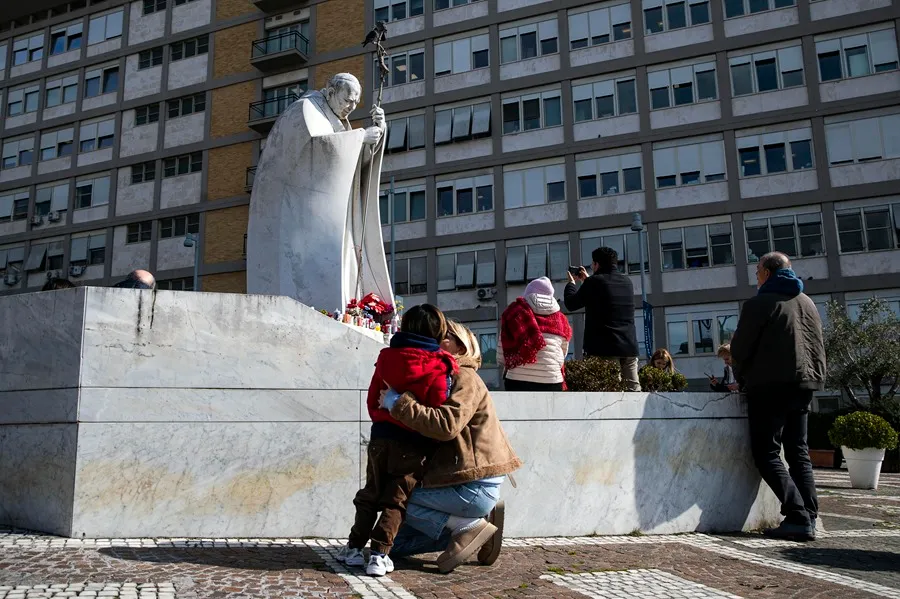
(610, 175)
(534, 111)
(626, 246)
(660, 15)
(183, 165)
(863, 140)
(96, 136)
(89, 250)
(604, 99)
(408, 204)
(682, 85)
(857, 55)
(526, 263)
(179, 226)
(61, 91)
(101, 81)
(696, 247)
(528, 41)
(466, 269)
(284, 38)
(105, 27)
(534, 186)
(22, 100)
(11, 259)
(18, 152)
(150, 58)
(28, 49)
(56, 144)
(66, 38)
(277, 99)
(397, 10)
(406, 133)
(53, 198)
(183, 284)
(143, 172)
(139, 232)
(181, 2)
(797, 235)
(462, 55)
(767, 71)
(188, 48)
(869, 229)
(92, 192)
(410, 276)
(45, 256)
(738, 8)
(700, 334)
(407, 67)
(186, 105)
(444, 4)
(599, 26)
(689, 164)
(152, 6)
(465, 196)
(13, 206)
(773, 153)
(462, 123)
(144, 115)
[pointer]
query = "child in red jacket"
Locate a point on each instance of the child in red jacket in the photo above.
(396, 457)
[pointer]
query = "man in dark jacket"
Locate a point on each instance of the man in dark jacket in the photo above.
(608, 301)
(779, 359)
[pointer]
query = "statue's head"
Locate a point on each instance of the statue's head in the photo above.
(343, 94)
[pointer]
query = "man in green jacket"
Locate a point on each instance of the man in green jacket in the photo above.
(779, 360)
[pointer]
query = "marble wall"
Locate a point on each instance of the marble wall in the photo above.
(220, 415)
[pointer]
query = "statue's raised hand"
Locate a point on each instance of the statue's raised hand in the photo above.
(378, 116)
(373, 134)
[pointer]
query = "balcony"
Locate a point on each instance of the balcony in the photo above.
(288, 49)
(277, 5)
(264, 113)
(251, 174)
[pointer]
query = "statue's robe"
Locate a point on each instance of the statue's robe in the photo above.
(314, 207)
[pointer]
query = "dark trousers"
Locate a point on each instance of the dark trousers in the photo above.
(514, 385)
(778, 416)
(393, 470)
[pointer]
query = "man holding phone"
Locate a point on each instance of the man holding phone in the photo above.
(607, 297)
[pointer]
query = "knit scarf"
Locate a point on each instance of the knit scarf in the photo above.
(522, 332)
(783, 282)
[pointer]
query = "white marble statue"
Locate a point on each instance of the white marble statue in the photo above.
(315, 232)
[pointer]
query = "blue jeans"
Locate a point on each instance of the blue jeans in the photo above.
(428, 510)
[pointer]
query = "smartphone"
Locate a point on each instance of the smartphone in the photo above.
(575, 270)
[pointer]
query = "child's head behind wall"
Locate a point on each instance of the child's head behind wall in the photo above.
(425, 320)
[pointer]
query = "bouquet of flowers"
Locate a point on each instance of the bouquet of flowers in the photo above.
(372, 306)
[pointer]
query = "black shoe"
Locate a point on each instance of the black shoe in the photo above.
(792, 532)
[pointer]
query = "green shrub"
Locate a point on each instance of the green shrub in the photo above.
(863, 430)
(593, 375)
(654, 379)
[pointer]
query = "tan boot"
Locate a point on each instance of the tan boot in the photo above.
(464, 545)
(490, 551)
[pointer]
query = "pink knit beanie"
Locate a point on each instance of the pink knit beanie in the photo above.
(541, 285)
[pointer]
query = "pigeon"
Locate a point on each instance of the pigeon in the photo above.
(377, 34)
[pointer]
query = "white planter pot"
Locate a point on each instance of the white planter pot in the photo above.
(864, 466)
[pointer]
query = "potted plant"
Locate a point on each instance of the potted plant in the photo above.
(593, 374)
(655, 380)
(863, 437)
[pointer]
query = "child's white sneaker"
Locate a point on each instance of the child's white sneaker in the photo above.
(379, 565)
(351, 556)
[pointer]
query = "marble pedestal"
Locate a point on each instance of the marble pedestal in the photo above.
(127, 413)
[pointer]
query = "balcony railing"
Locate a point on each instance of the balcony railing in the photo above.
(251, 175)
(289, 41)
(264, 112)
(276, 5)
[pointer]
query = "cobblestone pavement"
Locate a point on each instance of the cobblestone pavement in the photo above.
(857, 557)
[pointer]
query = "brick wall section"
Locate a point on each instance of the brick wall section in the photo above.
(229, 282)
(353, 65)
(228, 170)
(227, 9)
(340, 24)
(230, 109)
(232, 50)
(224, 234)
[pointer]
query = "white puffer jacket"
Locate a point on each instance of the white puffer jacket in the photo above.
(548, 366)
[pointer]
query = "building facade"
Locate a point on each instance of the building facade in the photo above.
(522, 135)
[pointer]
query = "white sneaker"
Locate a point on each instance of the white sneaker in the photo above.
(351, 556)
(379, 565)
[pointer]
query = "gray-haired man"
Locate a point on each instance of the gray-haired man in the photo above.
(779, 357)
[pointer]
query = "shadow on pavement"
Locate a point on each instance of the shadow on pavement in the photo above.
(845, 558)
(241, 558)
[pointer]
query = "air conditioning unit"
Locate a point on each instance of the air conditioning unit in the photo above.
(11, 278)
(37, 220)
(486, 294)
(53, 217)
(76, 270)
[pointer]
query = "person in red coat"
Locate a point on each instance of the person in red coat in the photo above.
(414, 363)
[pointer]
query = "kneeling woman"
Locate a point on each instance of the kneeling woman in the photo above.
(462, 481)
